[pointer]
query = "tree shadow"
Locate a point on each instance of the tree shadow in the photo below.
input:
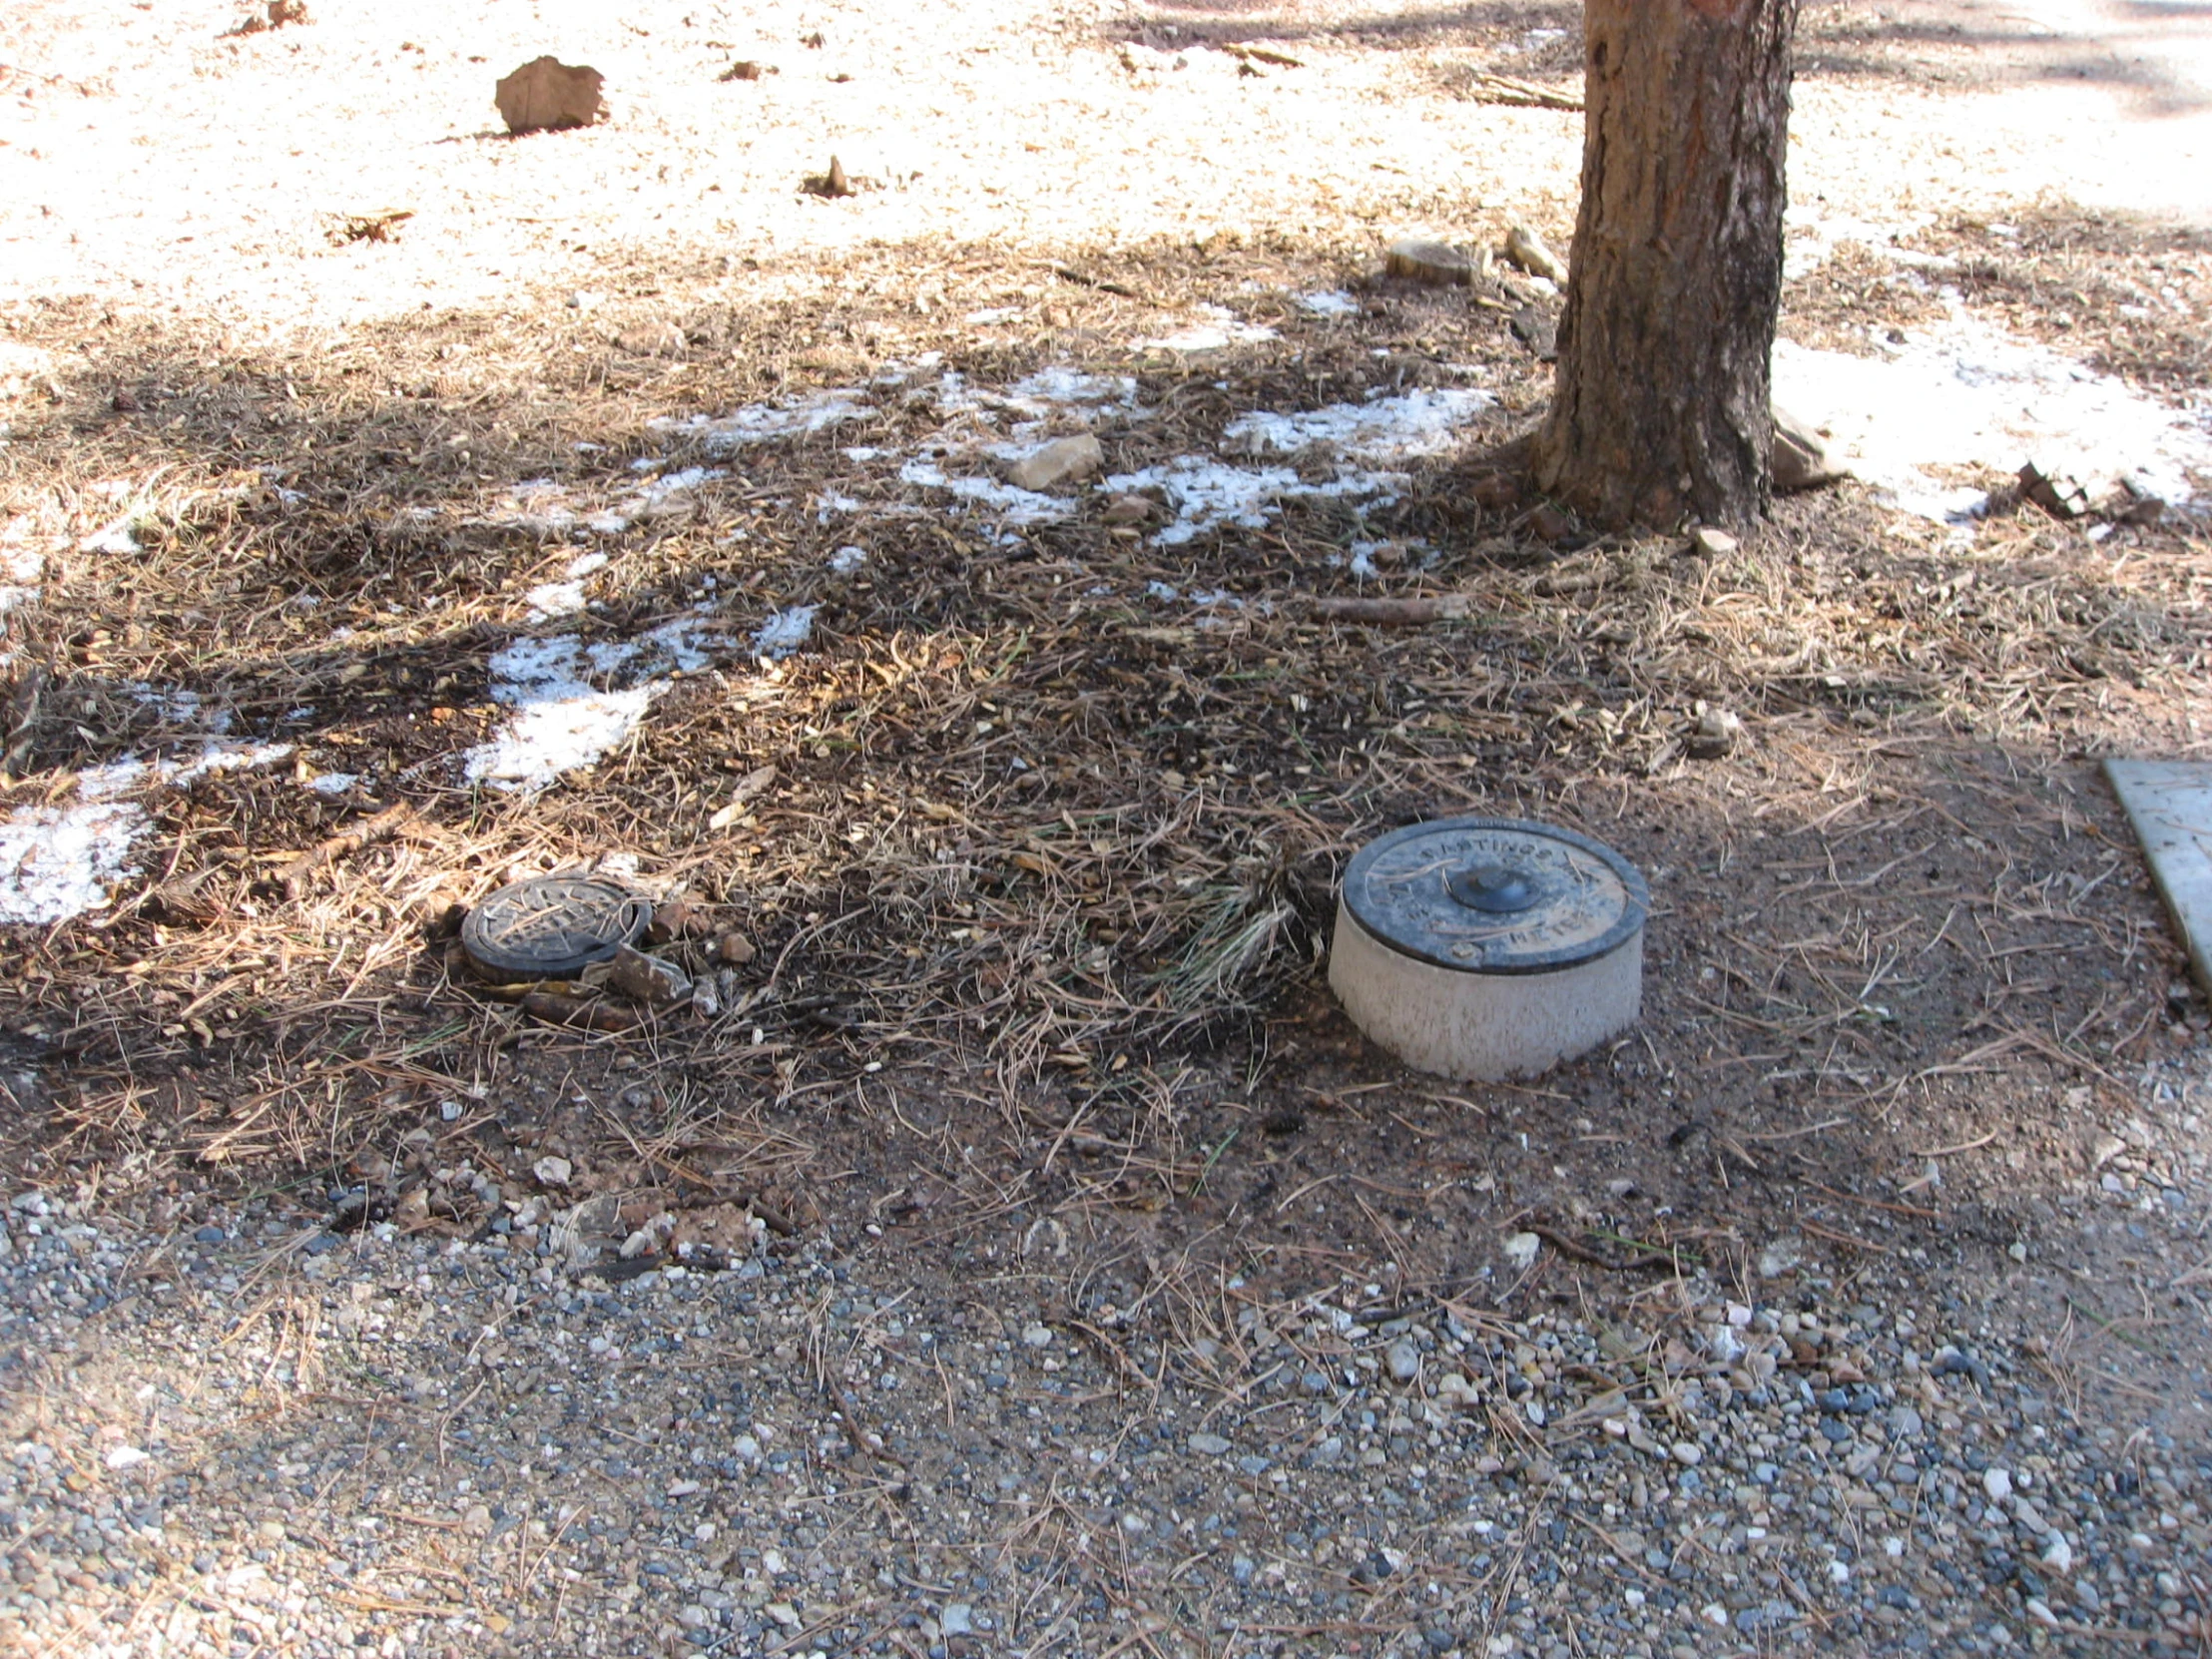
(1843, 40)
(1042, 824)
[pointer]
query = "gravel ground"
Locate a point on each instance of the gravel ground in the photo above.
(230, 1430)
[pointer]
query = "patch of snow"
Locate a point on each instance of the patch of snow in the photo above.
(993, 313)
(863, 452)
(1161, 591)
(220, 757)
(664, 494)
(1812, 236)
(1062, 387)
(584, 564)
(1215, 328)
(845, 560)
(1208, 494)
(60, 861)
(562, 721)
(554, 599)
(830, 503)
(763, 422)
(334, 782)
(1421, 422)
(1965, 395)
(1328, 302)
(1014, 506)
(785, 632)
(116, 540)
(175, 705)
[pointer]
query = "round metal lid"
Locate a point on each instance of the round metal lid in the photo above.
(552, 927)
(1495, 895)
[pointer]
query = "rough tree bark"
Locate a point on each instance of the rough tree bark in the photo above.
(1662, 406)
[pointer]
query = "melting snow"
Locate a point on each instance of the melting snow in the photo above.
(1965, 395)
(1208, 494)
(557, 599)
(562, 721)
(334, 782)
(845, 560)
(116, 539)
(1215, 328)
(785, 632)
(554, 599)
(60, 861)
(761, 422)
(1385, 428)
(1070, 388)
(1015, 506)
(1328, 302)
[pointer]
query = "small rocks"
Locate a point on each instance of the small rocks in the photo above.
(1687, 1453)
(1403, 1358)
(2058, 493)
(1998, 1483)
(1131, 509)
(1716, 733)
(1711, 543)
(957, 1619)
(546, 95)
(1208, 1445)
(1435, 263)
(648, 979)
(1526, 249)
(1801, 455)
(1520, 1250)
(552, 1172)
(1061, 461)
(832, 183)
(681, 918)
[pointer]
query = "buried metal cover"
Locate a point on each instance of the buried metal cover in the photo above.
(552, 927)
(1489, 948)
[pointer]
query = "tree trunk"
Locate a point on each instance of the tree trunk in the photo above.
(1662, 408)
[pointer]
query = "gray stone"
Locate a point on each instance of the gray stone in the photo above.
(648, 979)
(1404, 1360)
(1801, 455)
(1058, 462)
(1208, 1445)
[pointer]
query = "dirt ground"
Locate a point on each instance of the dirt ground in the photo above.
(1037, 867)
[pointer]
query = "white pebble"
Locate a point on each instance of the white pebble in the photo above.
(2059, 1556)
(1688, 1452)
(1998, 1483)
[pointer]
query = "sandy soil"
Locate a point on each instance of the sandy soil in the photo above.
(156, 161)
